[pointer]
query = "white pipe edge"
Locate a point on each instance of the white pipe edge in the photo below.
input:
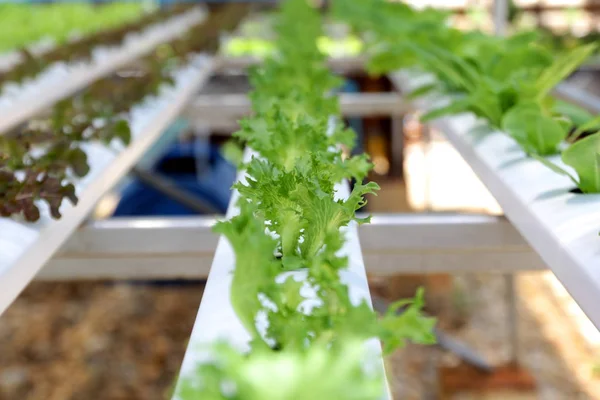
(12, 58)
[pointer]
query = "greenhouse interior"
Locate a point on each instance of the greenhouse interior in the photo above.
(300, 200)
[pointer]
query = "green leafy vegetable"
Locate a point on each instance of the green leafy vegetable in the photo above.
(561, 68)
(577, 115)
(288, 238)
(318, 373)
(584, 157)
(592, 124)
(536, 132)
(24, 24)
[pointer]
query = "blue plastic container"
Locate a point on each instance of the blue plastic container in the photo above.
(197, 168)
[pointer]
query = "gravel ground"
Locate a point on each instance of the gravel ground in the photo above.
(71, 341)
(549, 346)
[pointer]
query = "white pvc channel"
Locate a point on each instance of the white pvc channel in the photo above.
(26, 247)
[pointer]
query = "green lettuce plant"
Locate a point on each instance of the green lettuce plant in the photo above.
(505, 81)
(321, 372)
(537, 131)
(290, 190)
(23, 24)
(584, 157)
(288, 236)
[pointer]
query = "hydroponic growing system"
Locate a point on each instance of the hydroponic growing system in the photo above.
(286, 312)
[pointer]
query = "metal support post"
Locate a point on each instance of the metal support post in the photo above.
(500, 17)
